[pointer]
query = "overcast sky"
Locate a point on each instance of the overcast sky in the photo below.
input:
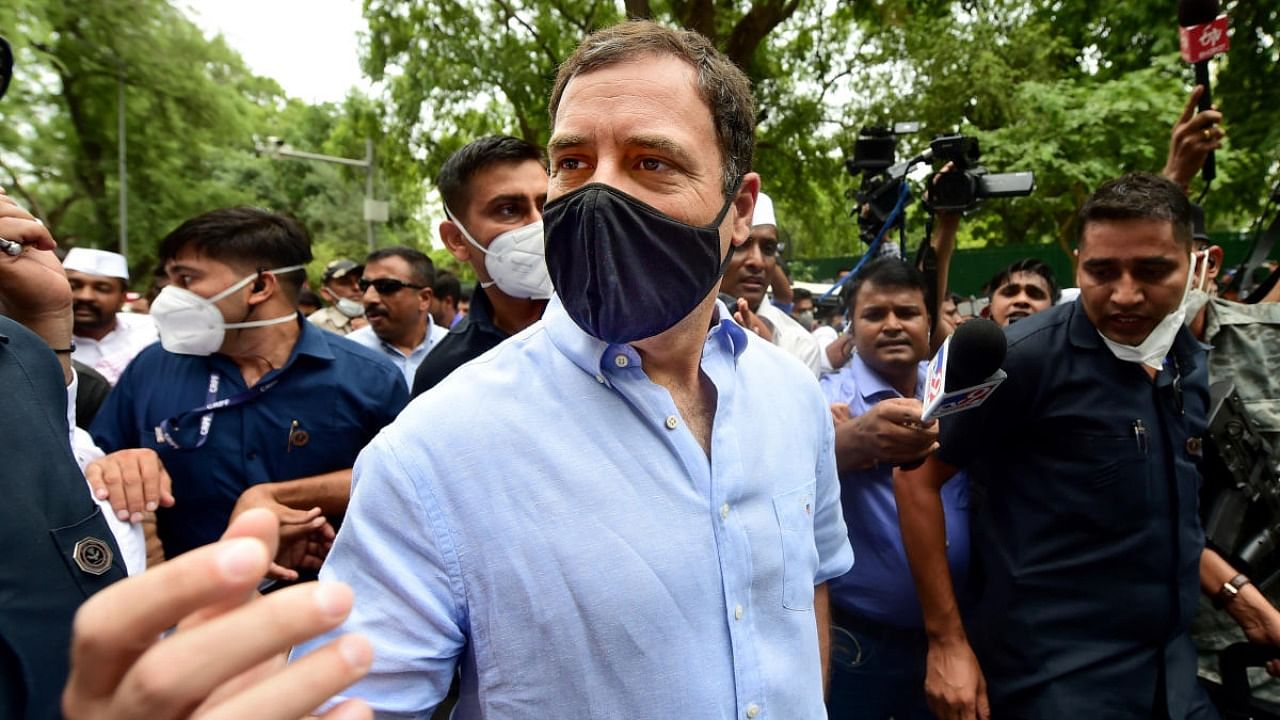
(309, 46)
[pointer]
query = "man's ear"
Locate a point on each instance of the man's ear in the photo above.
(744, 206)
(453, 241)
(425, 296)
(1214, 256)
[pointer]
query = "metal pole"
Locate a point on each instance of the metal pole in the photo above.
(123, 191)
(368, 187)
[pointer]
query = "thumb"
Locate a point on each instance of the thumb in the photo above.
(294, 516)
(984, 705)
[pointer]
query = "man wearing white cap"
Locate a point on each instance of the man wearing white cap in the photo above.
(747, 279)
(105, 339)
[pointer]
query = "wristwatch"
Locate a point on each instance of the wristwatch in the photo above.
(1230, 590)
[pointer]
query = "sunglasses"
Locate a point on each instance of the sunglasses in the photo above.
(386, 286)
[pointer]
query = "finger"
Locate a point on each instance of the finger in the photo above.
(303, 685)
(114, 482)
(115, 626)
(93, 474)
(131, 475)
(279, 572)
(24, 230)
(984, 704)
(293, 516)
(166, 486)
(149, 469)
(224, 647)
(257, 524)
(1189, 110)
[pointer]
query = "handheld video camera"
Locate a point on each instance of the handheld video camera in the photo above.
(970, 183)
(875, 160)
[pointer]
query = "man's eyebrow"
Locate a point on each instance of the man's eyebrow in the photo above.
(176, 268)
(566, 142)
(506, 198)
(661, 144)
(1156, 261)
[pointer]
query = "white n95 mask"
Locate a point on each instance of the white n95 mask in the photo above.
(192, 325)
(515, 260)
(1155, 348)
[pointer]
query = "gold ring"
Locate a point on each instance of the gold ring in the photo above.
(1208, 134)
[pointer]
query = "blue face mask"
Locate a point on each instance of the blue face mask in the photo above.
(625, 270)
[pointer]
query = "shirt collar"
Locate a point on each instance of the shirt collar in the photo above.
(590, 353)
(427, 341)
(874, 388)
(311, 341)
(481, 310)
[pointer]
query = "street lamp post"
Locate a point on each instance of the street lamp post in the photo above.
(374, 210)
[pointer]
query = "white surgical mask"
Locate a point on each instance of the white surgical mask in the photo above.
(1155, 348)
(192, 325)
(515, 260)
(1198, 296)
(350, 308)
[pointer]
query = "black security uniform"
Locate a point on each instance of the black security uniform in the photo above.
(58, 549)
(471, 338)
(1084, 488)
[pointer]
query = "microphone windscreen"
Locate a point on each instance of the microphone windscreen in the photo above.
(977, 350)
(1197, 12)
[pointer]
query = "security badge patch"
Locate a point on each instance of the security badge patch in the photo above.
(93, 556)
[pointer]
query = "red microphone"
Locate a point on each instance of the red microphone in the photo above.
(1202, 36)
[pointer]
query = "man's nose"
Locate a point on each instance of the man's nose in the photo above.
(1127, 293)
(82, 293)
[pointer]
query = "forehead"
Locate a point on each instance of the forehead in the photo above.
(764, 232)
(525, 178)
(642, 96)
(189, 259)
(88, 279)
(1026, 277)
(1122, 240)
(871, 294)
(392, 266)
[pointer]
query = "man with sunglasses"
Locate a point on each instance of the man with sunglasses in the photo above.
(245, 403)
(396, 289)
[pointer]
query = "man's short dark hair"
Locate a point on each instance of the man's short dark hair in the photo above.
(246, 238)
(1025, 265)
(447, 287)
(454, 180)
(798, 294)
(886, 273)
(723, 85)
(1139, 196)
(421, 270)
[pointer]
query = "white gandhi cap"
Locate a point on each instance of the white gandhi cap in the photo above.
(102, 263)
(763, 214)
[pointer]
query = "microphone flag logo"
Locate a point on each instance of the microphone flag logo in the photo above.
(1201, 42)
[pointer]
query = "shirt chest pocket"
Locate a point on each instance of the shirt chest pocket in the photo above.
(794, 510)
(1107, 481)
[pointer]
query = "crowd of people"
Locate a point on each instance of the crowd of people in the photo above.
(629, 474)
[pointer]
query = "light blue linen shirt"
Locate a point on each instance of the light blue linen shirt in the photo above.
(578, 554)
(407, 364)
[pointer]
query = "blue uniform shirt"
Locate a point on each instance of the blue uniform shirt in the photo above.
(578, 553)
(1086, 531)
(880, 588)
(338, 393)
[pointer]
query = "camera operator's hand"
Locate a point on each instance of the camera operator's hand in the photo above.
(33, 286)
(1194, 136)
(227, 657)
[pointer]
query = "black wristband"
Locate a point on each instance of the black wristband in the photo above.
(67, 350)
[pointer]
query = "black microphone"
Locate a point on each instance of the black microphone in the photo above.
(1201, 39)
(966, 369)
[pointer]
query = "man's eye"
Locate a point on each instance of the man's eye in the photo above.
(652, 164)
(1152, 274)
(568, 164)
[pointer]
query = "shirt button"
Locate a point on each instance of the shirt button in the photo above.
(724, 511)
(621, 361)
(737, 612)
(753, 710)
(672, 422)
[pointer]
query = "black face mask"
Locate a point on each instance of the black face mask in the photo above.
(625, 270)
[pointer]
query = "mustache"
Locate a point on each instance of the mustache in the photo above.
(372, 311)
(83, 306)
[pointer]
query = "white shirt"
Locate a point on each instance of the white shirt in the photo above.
(113, 353)
(791, 336)
(129, 537)
(408, 364)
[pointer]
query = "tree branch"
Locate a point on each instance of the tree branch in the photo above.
(638, 10)
(537, 38)
(754, 26)
(16, 185)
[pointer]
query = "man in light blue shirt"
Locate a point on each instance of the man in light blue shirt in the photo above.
(621, 537)
(878, 644)
(396, 286)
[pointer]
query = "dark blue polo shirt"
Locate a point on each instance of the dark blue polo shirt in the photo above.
(1086, 536)
(339, 393)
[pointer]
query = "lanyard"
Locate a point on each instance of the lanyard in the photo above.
(166, 429)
